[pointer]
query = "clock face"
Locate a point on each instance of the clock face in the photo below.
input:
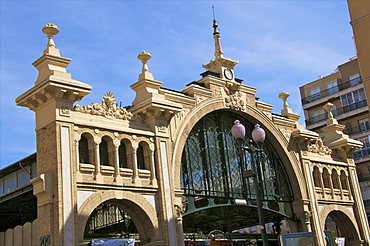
(228, 74)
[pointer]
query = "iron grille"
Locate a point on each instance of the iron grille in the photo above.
(211, 165)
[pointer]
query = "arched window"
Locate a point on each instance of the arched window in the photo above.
(326, 178)
(122, 155)
(344, 180)
(83, 150)
(103, 152)
(140, 157)
(212, 166)
(316, 176)
(335, 179)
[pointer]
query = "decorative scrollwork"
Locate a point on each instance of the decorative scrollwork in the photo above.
(180, 209)
(318, 147)
(234, 98)
(107, 108)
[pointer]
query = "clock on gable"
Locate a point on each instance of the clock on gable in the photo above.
(228, 74)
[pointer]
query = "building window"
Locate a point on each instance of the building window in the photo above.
(103, 152)
(332, 87)
(363, 124)
(353, 97)
(315, 93)
(365, 150)
(140, 157)
(318, 115)
(365, 141)
(122, 153)
(355, 79)
(83, 150)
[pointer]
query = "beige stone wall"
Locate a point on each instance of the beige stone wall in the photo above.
(161, 121)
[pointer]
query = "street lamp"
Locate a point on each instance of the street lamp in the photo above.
(258, 136)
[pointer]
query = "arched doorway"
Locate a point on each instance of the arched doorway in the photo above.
(216, 194)
(142, 222)
(343, 227)
(109, 221)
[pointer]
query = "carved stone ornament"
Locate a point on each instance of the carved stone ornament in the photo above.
(180, 209)
(306, 216)
(318, 147)
(64, 111)
(234, 99)
(107, 108)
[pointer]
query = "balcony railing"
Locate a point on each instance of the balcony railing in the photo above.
(331, 91)
(337, 111)
(361, 153)
(356, 129)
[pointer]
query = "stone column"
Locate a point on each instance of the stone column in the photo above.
(117, 172)
(135, 171)
(98, 176)
(153, 178)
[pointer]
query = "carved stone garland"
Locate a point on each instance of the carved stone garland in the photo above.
(107, 108)
(318, 147)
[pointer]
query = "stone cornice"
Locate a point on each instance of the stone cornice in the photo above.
(68, 89)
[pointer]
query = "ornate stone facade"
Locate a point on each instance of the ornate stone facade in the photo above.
(132, 156)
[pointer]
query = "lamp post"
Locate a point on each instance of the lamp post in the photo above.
(258, 136)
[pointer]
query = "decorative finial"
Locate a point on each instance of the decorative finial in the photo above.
(144, 57)
(286, 111)
(50, 30)
(284, 95)
(328, 107)
(215, 25)
(216, 35)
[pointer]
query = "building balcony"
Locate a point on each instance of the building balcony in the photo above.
(361, 153)
(357, 130)
(339, 114)
(364, 180)
(330, 91)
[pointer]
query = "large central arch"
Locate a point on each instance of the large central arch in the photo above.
(277, 142)
(212, 178)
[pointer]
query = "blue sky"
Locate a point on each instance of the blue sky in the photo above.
(280, 46)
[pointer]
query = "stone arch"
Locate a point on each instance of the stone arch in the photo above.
(140, 209)
(123, 153)
(90, 141)
(335, 178)
(141, 155)
(344, 219)
(109, 149)
(326, 178)
(289, 158)
(317, 176)
(125, 140)
(344, 180)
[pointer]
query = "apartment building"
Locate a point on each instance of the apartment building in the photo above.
(345, 90)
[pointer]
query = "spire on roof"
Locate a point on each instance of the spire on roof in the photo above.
(220, 65)
(217, 37)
